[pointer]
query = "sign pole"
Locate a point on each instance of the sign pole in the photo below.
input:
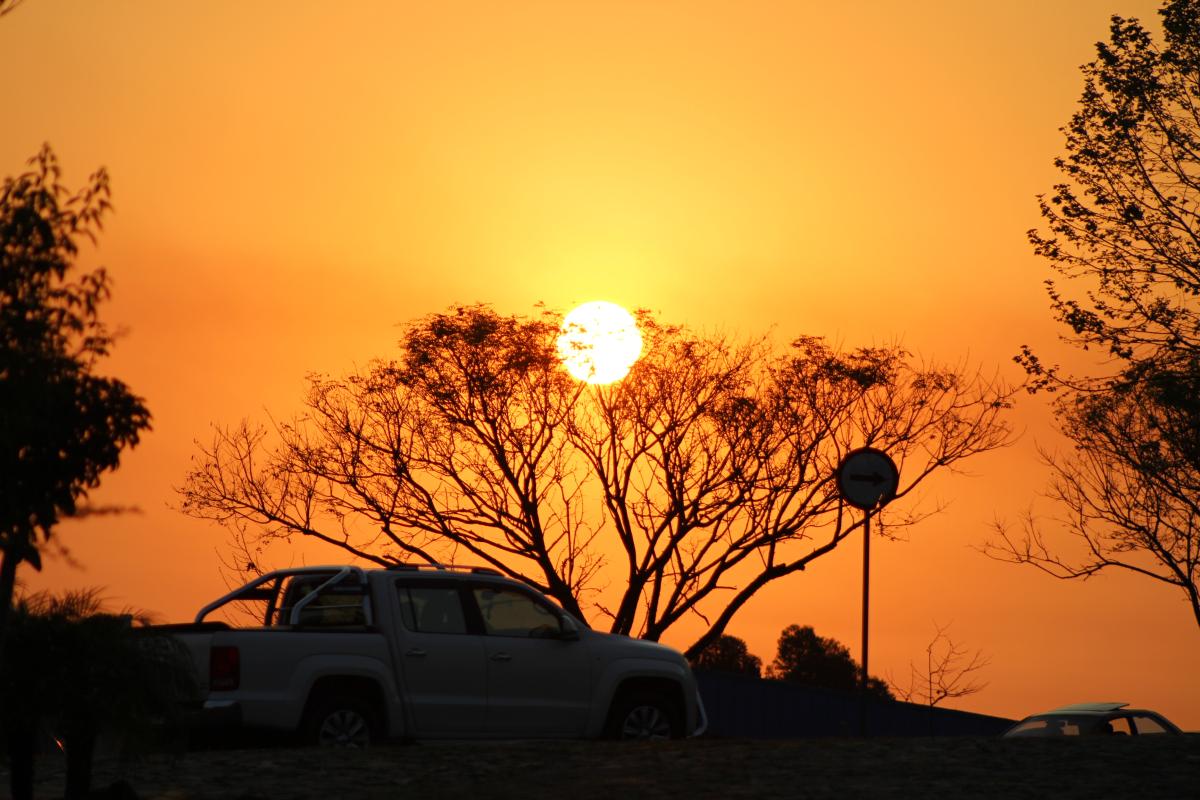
(866, 479)
(866, 604)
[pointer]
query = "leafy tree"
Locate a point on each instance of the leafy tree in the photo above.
(63, 425)
(806, 658)
(728, 654)
(1122, 229)
(699, 478)
(84, 672)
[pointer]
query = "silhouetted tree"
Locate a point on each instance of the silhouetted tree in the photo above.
(8, 6)
(804, 657)
(728, 654)
(949, 672)
(707, 470)
(85, 672)
(1123, 229)
(62, 425)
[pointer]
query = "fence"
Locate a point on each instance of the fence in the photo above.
(745, 707)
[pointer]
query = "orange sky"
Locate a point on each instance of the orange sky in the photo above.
(292, 180)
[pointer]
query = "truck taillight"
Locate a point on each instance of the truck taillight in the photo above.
(224, 668)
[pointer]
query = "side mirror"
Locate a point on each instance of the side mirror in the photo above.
(570, 631)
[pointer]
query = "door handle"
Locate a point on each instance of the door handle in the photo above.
(501, 657)
(415, 652)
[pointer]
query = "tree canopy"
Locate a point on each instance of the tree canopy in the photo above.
(1123, 230)
(1123, 223)
(804, 657)
(728, 654)
(703, 475)
(63, 424)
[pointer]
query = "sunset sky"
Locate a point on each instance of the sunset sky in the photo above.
(292, 181)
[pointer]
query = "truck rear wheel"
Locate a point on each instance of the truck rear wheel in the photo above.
(341, 721)
(644, 716)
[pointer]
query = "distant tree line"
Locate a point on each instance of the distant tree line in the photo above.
(802, 657)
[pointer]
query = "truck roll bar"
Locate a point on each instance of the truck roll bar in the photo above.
(253, 590)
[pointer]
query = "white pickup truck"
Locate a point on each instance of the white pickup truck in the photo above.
(346, 656)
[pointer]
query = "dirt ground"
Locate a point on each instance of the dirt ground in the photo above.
(1160, 767)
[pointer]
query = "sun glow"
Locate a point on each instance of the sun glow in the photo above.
(599, 342)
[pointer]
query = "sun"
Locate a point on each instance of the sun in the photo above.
(599, 342)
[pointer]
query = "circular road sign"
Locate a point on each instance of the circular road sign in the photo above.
(867, 478)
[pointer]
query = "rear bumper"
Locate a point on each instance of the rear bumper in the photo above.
(214, 715)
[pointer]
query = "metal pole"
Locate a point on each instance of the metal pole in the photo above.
(865, 606)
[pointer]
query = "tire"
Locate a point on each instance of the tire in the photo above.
(344, 721)
(644, 717)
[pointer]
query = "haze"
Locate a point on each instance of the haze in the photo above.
(293, 180)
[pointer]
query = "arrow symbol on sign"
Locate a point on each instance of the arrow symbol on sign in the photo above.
(873, 477)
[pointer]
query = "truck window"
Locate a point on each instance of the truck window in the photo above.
(507, 612)
(431, 609)
(337, 606)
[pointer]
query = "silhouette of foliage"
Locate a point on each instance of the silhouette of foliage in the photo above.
(84, 672)
(699, 478)
(1124, 221)
(804, 657)
(728, 654)
(1123, 229)
(63, 425)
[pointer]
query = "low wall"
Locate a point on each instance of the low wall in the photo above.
(744, 707)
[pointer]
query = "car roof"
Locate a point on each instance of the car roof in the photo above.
(1086, 708)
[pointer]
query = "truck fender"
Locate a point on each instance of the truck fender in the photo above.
(618, 673)
(312, 669)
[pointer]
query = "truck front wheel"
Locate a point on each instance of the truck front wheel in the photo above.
(644, 716)
(340, 721)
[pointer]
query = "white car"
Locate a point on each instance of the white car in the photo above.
(1093, 719)
(347, 656)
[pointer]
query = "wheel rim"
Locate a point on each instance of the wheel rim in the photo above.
(344, 728)
(646, 722)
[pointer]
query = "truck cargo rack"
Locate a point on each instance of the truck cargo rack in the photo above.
(406, 567)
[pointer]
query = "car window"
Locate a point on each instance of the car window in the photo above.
(507, 612)
(1046, 726)
(1121, 726)
(1147, 725)
(431, 609)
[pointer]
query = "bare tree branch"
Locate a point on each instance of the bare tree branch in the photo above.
(950, 672)
(702, 476)
(8, 6)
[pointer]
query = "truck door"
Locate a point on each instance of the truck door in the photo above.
(538, 683)
(441, 660)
